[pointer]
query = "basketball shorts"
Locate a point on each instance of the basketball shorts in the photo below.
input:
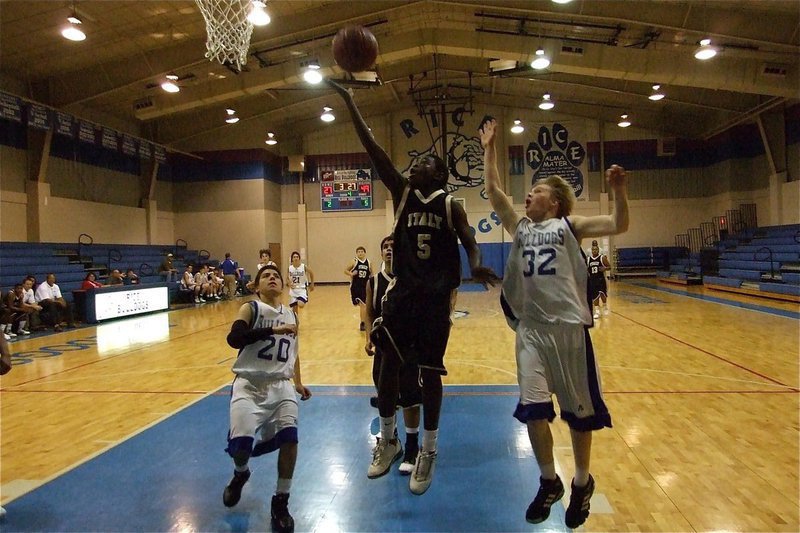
(559, 359)
(263, 415)
(410, 387)
(358, 294)
(298, 295)
(597, 285)
(415, 326)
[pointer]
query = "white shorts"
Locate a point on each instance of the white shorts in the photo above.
(559, 359)
(261, 409)
(298, 295)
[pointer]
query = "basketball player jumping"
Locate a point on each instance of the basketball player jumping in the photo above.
(415, 324)
(263, 409)
(544, 298)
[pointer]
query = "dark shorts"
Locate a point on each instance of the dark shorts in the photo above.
(358, 293)
(410, 388)
(597, 285)
(415, 326)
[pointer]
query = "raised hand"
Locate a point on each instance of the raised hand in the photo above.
(616, 177)
(487, 132)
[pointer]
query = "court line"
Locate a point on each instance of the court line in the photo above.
(737, 365)
(690, 374)
(722, 301)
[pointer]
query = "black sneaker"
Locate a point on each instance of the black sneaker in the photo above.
(550, 491)
(282, 521)
(578, 510)
(373, 402)
(233, 492)
(362, 327)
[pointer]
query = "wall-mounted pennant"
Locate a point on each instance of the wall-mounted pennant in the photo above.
(64, 124)
(129, 145)
(145, 149)
(109, 139)
(10, 107)
(38, 117)
(86, 132)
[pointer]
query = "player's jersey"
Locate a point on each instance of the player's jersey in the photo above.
(274, 357)
(545, 279)
(425, 242)
(380, 282)
(595, 265)
(361, 268)
(297, 276)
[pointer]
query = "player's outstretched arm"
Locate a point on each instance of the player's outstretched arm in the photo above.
(500, 202)
(302, 390)
(617, 221)
(481, 274)
(393, 180)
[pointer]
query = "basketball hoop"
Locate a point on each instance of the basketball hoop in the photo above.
(228, 30)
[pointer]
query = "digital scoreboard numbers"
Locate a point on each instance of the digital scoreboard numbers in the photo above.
(346, 190)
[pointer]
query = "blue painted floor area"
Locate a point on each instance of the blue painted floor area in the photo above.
(719, 300)
(171, 476)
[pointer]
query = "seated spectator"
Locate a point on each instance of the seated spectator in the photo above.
(216, 282)
(167, 269)
(115, 278)
(18, 316)
(30, 305)
(5, 321)
(48, 295)
(90, 282)
(188, 284)
(201, 279)
(131, 277)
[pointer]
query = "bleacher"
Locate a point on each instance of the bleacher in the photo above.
(70, 262)
(644, 261)
(760, 262)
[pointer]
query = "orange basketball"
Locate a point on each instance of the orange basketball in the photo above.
(355, 49)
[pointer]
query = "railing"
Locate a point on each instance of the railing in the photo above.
(84, 239)
(113, 255)
(204, 255)
(145, 269)
(759, 256)
(178, 244)
(709, 231)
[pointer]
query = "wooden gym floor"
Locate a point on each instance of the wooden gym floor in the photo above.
(702, 389)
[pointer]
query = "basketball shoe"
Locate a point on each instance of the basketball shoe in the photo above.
(422, 475)
(410, 457)
(233, 492)
(282, 521)
(578, 510)
(550, 491)
(385, 453)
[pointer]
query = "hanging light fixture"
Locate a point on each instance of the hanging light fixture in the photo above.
(624, 122)
(232, 118)
(327, 114)
(541, 61)
(562, 1)
(706, 51)
(73, 32)
(271, 139)
(312, 74)
(258, 15)
(658, 94)
(517, 128)
(546, 104)
(169, 85)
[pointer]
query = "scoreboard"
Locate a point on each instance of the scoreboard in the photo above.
(346, 190)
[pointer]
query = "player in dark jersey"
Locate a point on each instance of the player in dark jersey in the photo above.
(415, 324)
(410, 396)
(359, 271)
(597, 264)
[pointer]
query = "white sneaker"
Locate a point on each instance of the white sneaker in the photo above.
(606, 311)
(24, 332)
(10, 335)
(197, 300)
(596, 314)
(383, 457)
(422, 475)
(7, 337)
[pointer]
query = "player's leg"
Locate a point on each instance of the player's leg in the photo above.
(244, 420)
(410, 400)
(362, 309)
(604, 295)
(388, 450)
(281, 431)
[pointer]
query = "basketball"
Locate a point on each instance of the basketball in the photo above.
(355, 49)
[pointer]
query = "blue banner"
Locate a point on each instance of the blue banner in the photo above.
(10, 107)
(64, 124)
(86, 132)
(38, 117)
(109, 139)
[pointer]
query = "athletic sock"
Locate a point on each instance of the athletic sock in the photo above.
(429, 438)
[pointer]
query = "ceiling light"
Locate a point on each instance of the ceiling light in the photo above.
(546, 103)
(624, 122)
(541, 60)
(232, 118)
(258, 14)
(327, 115)
(658, 94)
(517, 127)
(170, 86)
(271, 139)
(562, 1)
(312, 74)
(706, 51)
(72, 32)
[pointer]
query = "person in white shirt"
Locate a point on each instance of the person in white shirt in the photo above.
(48, 295)
(29, 303)
(188, 284)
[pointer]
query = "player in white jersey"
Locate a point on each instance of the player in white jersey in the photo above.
(263, 409)
(301, 280)
(545, 300)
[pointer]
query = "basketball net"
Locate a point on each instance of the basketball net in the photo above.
(228, 30)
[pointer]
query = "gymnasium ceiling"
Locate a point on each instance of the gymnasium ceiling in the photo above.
(605, 55)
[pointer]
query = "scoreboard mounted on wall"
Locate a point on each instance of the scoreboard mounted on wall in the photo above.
(346, 190)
